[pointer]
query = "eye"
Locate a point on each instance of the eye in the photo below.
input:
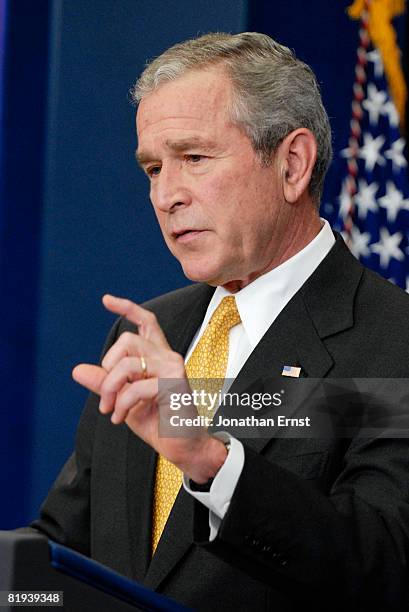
(194, 158)
(152, 171)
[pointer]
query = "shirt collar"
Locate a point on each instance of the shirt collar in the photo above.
(269, 294)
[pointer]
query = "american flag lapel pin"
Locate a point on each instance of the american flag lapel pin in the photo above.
(292, 371)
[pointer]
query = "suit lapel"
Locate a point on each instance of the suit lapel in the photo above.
(140, 473)
(330, 291)
(175, 541)
(183, 324)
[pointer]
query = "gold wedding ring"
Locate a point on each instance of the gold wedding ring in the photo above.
(143, 366)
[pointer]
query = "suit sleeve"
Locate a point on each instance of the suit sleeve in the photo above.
(65, 513)
(347, 546)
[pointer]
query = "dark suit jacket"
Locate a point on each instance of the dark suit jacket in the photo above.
(322, 522)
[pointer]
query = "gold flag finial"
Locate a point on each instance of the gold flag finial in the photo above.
(383, 36)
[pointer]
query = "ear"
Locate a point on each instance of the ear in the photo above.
(298, 152)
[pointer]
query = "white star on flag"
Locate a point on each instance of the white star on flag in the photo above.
(370, 151)
(344, 201)
(375, 57)
(390, 110)
(395, 154)
(393, 201)
(365, 198)
(388, 247)
(359, 243)
(375, 103)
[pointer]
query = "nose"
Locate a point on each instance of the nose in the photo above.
(169, 190)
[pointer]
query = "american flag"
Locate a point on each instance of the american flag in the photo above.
(292, 371)
(370, 204)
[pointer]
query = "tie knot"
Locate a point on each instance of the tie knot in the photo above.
(226, 314)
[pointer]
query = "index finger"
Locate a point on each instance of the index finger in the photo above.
(146, 321)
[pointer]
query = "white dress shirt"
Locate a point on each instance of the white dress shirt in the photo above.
(259, 304)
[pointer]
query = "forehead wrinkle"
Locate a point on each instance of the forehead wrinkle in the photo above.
(147, 122)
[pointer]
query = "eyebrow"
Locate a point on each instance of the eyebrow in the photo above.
(178, 146)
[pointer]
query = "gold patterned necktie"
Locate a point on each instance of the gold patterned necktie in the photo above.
(207, 361)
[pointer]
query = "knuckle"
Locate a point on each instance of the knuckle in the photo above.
(122, 403)
(127, 364)
(126, 337)
(107, 360)
(106, 386)
(152, 317)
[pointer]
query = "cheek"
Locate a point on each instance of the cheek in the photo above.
(220, 199)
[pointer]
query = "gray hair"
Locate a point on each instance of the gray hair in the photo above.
(274, 93)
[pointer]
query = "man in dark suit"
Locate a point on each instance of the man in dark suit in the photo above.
(236, 143)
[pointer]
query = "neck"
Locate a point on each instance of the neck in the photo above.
(290, 246)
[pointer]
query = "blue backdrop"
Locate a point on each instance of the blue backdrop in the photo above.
(75, 220)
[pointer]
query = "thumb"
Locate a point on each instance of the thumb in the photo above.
(89, 376)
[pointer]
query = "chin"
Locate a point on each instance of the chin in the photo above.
(201, 273)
